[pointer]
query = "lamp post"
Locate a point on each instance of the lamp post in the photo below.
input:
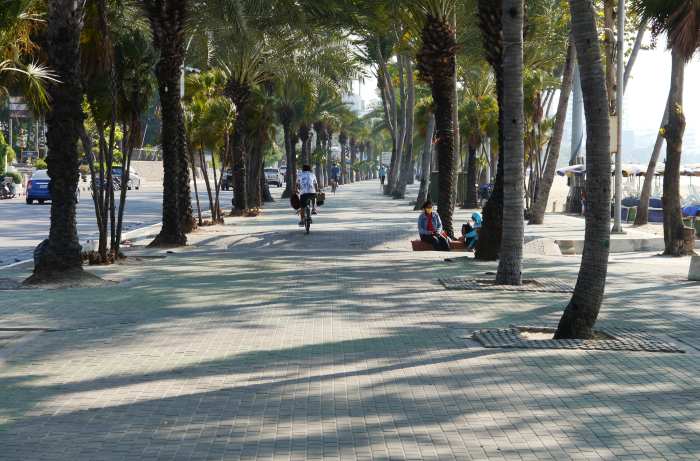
(619, 94)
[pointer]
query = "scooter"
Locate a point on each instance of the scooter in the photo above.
(7, 191)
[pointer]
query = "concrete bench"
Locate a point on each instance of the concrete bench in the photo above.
(455, 245)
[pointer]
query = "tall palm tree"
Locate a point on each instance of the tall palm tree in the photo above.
(437, 66)
(680, 19)
(168, 20)
(59, 255)
(511, 254)
(582, 311)
(489, 19)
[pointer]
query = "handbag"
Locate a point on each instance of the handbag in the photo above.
(320, 198)
(295, 201)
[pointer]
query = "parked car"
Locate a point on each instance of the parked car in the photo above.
(273, 176)
(227, 181)
(134, 178)
(38, 188)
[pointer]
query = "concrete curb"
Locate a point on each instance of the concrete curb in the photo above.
(141, 232)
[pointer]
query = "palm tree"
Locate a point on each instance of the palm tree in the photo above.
(168, 20)
(489, 18)
(59, 256)
(543, 188)
(678, 18)
(511, 254)
(436, 67)
(582, 311)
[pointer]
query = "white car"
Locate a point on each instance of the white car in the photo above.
(273, 176)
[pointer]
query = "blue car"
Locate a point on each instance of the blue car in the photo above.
(38, 188)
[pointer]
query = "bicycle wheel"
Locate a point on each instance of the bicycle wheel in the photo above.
(307, 220)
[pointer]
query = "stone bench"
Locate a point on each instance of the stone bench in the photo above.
(455, 245)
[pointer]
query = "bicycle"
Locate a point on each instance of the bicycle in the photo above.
(307, 217)
(334, 185)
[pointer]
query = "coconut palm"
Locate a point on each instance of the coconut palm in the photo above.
(59, 255)
(510, 256)
(582, 311)
(168, 20)
(436, 67)
(679, 20)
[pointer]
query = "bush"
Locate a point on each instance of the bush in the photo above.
(40, 164)
(16, 177)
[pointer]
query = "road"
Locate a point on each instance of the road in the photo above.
(23, 226)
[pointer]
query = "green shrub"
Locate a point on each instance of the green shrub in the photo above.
(16, 177)
(40, 164)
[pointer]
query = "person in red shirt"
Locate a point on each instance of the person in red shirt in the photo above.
(430, 228)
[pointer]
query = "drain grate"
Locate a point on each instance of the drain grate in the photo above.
(610, 339)
(540, 285)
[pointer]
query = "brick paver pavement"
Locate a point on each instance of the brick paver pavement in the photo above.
(259, 342)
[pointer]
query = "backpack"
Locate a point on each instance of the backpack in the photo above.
(295, 201)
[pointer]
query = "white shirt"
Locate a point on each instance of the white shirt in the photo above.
(307, 182)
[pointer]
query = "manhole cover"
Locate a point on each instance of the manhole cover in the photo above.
(540, 285)
(605, 339)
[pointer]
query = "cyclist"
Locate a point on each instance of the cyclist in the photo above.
(307, 187)
(335, 175)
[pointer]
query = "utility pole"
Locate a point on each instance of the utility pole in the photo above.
(619, 95)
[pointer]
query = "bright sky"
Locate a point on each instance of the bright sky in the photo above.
(644, 103)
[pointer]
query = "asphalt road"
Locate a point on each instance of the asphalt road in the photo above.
(23, 226)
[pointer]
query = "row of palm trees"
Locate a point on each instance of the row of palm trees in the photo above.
(279, 63)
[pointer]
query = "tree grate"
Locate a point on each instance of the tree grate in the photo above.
(610, 339)
(540, 285)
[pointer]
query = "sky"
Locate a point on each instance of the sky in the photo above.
(643, 104)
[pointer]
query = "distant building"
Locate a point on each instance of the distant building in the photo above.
(355, 103)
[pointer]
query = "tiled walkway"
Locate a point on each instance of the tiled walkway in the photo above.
(259, 342)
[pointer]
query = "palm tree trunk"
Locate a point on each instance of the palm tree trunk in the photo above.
(407, 160)
(582, 311)
(196, 192)
(289, 186)
(511, 254)
(542, 189)
(673, 218)
(489, 243)
(441, 76)
(304, 132)
(167, 20)
(343, 157)
(643, 208)
(254, 170)
(60, 254)
(470, 201)
(426, 163)
(353, 158)
(238, 153)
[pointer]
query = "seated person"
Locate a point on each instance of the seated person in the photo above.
(430, 228)
(470, 231)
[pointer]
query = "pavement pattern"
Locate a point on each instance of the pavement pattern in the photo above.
(258, 342)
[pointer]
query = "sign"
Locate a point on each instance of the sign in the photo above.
(19, 108)
(386, 158)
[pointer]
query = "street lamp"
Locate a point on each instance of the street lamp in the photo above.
(617, 223)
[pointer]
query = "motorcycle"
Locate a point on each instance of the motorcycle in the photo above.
(7, 191)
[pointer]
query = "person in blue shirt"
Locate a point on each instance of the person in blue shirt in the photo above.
(470, 231)
(335, 173)
(382, 174)
(430, 228)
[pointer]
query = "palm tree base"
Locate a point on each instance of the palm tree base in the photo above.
(168, 241)
(56, 279)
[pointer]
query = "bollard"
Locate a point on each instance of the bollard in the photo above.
(694, 271)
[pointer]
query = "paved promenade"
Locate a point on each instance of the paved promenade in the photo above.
(258, 342)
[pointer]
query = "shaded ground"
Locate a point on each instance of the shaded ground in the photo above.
(260, 342)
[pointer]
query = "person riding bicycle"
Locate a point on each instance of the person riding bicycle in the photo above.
(307, 187)
(335, 173)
